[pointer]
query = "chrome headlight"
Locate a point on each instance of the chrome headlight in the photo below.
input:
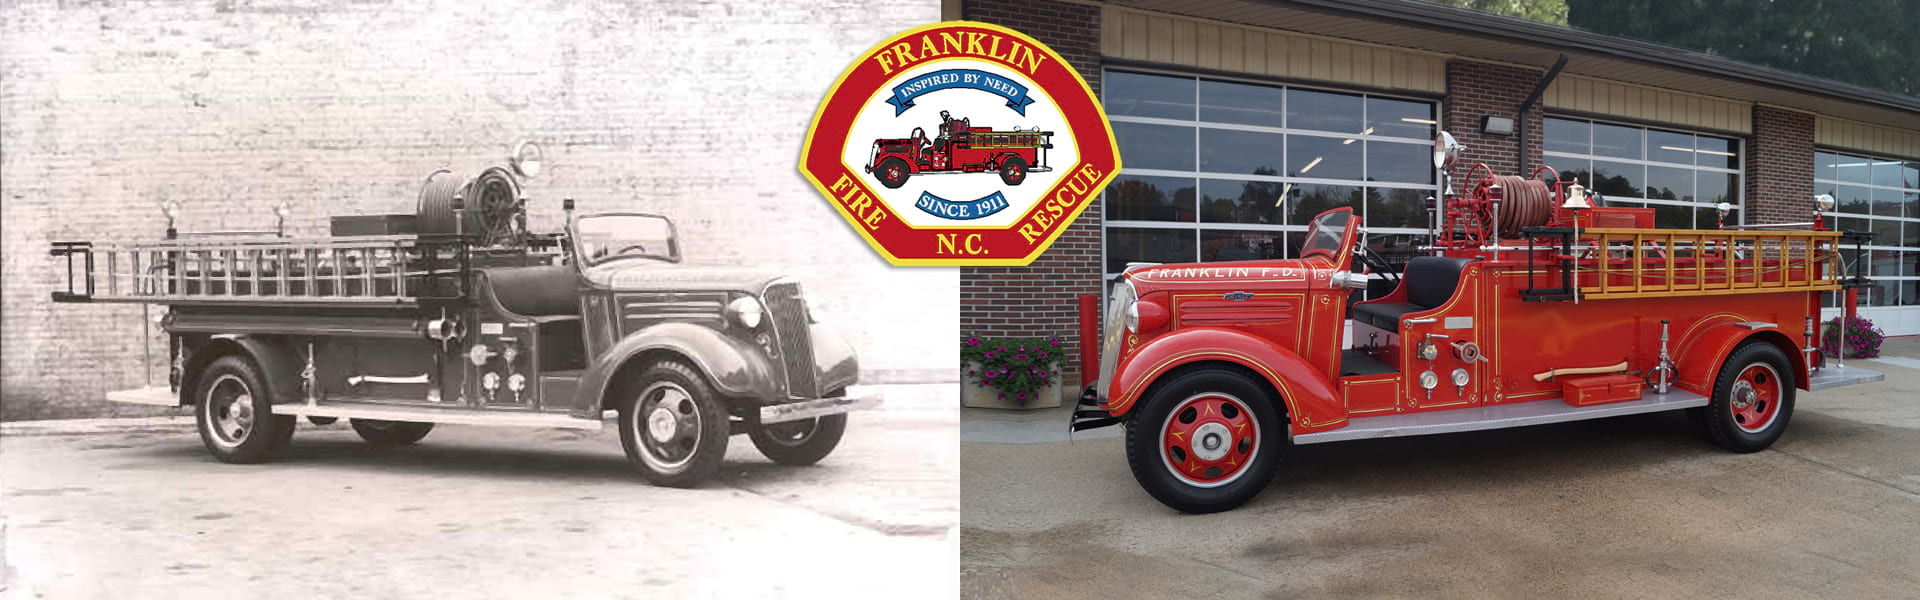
(746, 311)
(1133, 317)
(1119, 306)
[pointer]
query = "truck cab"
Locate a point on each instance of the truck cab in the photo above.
(457, 314)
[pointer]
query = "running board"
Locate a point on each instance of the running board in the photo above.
(454, 416)
(1833, 377)
(1499, 416)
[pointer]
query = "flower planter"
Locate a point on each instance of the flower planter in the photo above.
(974, 395)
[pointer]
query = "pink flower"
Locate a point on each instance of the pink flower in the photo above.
(991, 355)
(1054, 340)
(1043, 354)
(1021, 395)
(1019, 357)
(973, 341)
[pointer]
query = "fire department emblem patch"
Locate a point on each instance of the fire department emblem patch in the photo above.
(960, 143)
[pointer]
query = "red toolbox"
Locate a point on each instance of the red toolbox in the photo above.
(1601, 389)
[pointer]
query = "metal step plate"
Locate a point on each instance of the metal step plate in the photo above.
(1500, 416)
(1833, 377)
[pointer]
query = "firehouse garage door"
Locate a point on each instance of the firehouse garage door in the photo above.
(1881, 195)
(1219, 170)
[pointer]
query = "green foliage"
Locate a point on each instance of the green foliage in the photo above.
(1869, 43)
(1544, 11)
(1018, 367)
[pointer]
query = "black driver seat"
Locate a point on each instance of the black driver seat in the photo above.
(541, 291)
(1430, 281)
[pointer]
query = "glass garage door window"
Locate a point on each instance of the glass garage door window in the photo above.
(1881, 195)
(1219, 170)
(1680, 175)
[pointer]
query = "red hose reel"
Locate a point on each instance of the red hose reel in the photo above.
(1523, 202)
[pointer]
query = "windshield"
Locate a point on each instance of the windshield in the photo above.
(601, 238)
(1327, 232)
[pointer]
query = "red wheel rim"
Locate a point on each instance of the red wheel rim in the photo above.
(1209, 439)
(1755, 398)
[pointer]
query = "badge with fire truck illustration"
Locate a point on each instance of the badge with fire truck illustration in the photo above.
(960, 143)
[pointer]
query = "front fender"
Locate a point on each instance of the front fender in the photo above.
(736, 368)
(833, 357)
(1702, 353)
(1310, 402)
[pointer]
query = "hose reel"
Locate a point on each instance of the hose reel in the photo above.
(493, 211)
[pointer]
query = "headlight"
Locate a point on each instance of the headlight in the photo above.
(1133, 317)
(746, 311)
(1429, 380)
(527, 159)
(479, 354)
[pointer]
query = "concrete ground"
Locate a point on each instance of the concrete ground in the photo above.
(1627, 507)
(137, 509)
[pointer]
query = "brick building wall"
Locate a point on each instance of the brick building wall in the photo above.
(1779, 166)
(232, 106)
(1477, 89)
(1040, 299)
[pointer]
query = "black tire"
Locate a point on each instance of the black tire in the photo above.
(234, 412)
(1154, 466)
(389, 434)
(684, 445)
(892, 173)
(1752, 398)
(799, 443)
(1013, 171)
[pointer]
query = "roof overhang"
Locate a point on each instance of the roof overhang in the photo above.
(1474, 34)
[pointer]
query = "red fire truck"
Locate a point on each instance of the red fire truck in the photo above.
(457, 314)
(1536, 307)
(961, 148)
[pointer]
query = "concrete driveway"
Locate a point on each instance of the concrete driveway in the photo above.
(1628, 507)
(136, 509)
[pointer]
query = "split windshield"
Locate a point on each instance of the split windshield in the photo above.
(601, 238)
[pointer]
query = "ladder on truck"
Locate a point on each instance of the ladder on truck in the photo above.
(1615, 263)
(382, 270)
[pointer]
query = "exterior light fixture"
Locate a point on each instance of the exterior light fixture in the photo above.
(1492, 125)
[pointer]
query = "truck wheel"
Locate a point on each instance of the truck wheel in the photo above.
(674, 428)
(1752, 398)
(235, 415)
(892, 173)
(1013, 171)
(1205, 440)
(388, 434)
(799, 443)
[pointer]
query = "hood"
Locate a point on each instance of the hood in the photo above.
(1291, 273)
(646, 275)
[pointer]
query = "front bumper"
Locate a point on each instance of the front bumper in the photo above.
(856, 399)
(1091, 418)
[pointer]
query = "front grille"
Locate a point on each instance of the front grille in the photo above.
(1112, 331)
(793, 334)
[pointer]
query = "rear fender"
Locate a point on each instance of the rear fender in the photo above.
(1701, 354)
(279, 364)
(734, 367)
(1310, 402)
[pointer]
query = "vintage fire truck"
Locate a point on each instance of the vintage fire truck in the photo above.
(961, 148)
(1536, 306)
(457, 314)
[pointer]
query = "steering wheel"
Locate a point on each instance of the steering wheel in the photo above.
(1377, 263)
(642, 249)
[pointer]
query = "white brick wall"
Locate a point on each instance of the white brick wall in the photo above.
(694, 109)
